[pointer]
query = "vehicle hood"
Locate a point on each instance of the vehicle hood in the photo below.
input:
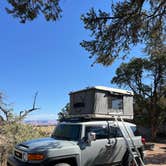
(45, 143)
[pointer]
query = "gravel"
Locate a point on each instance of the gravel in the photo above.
(157, 156)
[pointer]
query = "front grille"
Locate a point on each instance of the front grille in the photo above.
(18, 154)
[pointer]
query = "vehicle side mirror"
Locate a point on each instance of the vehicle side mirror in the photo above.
(91, 137)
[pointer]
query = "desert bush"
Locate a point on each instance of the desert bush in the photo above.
(14, 133)
(13, 130)
(44, 130)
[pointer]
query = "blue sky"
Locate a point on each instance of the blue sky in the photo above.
(46, 57)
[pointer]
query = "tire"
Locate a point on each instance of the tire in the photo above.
(128, 160)
(62, 164)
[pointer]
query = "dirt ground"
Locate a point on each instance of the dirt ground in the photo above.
(157, 156)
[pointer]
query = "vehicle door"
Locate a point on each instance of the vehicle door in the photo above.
(119, 145)
(99, 151)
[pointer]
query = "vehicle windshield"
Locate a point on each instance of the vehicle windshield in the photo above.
(67, 132)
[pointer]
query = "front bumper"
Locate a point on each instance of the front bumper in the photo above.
(14, 162)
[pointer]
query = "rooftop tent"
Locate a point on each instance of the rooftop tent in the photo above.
(101, 102)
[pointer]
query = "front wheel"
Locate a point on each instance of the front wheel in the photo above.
(62, 164)
(129, 161)
(132, 162)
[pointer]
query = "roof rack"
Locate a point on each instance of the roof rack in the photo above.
(87, 119)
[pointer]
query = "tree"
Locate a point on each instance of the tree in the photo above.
(29, 9)
(64, 112)
(128, 23)
(146, 77)
(13, 130)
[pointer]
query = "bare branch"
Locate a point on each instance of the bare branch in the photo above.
(23, 114)
(5, 112)
(35, 99)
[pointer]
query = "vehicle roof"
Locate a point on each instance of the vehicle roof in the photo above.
(103, 88)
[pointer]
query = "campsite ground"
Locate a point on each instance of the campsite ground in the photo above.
(157, 156)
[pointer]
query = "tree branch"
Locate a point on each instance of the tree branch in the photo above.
(23, 114)
(138, 9)
(5, 112)
(163, 3)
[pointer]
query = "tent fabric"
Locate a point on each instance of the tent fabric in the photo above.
(94, 101)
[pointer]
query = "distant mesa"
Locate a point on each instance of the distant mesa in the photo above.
(41, 122)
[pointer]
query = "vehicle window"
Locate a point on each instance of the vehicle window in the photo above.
(135, 130)
(119, 133)
(101, 131)
(115, 132)
(67, 132)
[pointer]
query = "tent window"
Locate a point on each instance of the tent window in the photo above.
(79, 105)
(115, 102)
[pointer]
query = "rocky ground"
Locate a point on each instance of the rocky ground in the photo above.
(156, 156)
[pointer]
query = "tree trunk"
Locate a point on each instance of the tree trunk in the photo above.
(154, 128)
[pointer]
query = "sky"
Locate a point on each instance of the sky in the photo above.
(47, 57)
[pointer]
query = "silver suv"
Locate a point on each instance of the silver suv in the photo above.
(78, 143)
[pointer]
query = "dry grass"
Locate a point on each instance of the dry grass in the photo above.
(46, 130)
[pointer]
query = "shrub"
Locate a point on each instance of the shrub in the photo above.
(13, 130)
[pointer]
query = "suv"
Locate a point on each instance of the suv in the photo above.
(78, 143)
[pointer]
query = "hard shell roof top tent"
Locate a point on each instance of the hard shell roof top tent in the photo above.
(102, 103)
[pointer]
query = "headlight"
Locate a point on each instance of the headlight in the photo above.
(35, 157)
(24, 156)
